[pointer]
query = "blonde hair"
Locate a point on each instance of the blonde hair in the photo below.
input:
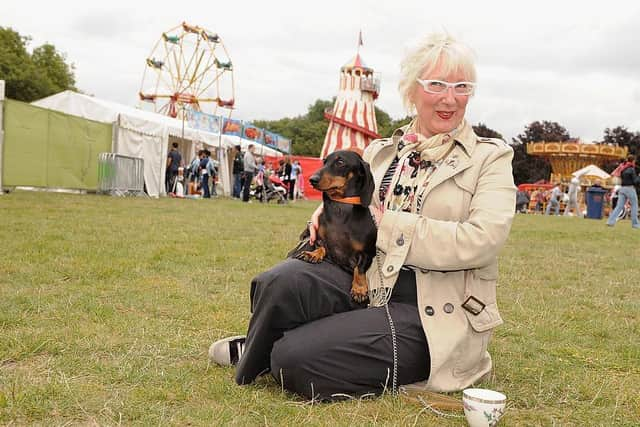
(435, 49)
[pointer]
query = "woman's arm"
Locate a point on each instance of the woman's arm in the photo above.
(447, 245)
(313, 223)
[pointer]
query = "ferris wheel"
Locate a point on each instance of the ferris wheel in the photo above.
(189, 69)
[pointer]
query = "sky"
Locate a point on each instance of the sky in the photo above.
(576, 63)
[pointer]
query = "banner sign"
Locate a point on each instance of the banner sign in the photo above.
(239, 128)
(232, 127)
(252, 132)
(284, 144)
(271, 138)
(204, 121)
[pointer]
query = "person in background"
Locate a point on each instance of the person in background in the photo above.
(541, 198)
(250, 168)
(174, 161)
(299, 190)
(212, 168)
(194, 173)
(260, 164)
(292, 181)
(628, 181)
(204, 174)
(554, 200)
(574, 188)
(613, 196)
(285, 176)
(238, 169)
(522, 201)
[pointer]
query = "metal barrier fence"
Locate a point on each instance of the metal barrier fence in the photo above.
(120, 175)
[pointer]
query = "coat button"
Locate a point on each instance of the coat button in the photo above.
(448, 308)
(400, 240)
(429, 310)
(390, 268)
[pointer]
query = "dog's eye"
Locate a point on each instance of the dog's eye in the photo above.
(339, 162)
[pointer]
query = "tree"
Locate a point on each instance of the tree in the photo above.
(315, 112)
(486, 132)
(308, 131)
(622, 137)
(543, 131)
(54, 65)
(32, 76)
(528, 168)
(387, 128)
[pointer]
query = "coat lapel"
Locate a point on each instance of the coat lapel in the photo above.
(382, 159)
(456, 162)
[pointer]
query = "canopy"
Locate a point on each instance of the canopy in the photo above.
(591, 170)
(101, 110)
(145, 134)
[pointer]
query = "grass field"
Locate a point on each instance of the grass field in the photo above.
(108, 307)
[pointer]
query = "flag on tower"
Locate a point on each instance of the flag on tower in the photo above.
(360, 39)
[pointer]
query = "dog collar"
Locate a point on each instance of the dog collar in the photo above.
(353, 200)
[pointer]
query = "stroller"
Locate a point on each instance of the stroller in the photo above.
(271, 188)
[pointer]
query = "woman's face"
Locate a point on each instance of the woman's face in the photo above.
(439, 112)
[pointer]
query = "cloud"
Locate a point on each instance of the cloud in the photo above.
(543, 60)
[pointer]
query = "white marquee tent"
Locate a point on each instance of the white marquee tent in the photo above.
(591, 170)
(147, 135)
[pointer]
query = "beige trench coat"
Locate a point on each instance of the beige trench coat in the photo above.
(453, 246)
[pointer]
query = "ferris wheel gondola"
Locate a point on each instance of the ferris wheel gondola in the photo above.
(189, 69)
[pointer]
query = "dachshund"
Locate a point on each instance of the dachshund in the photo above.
(346, 231)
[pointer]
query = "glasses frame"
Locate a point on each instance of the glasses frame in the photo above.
(447, 85)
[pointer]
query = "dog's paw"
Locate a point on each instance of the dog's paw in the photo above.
(314, 256)
(359, 287)
(310, 257)
(359, 296)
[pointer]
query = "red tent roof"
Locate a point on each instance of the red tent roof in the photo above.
(356, 62)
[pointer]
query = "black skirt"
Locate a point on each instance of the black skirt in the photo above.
(307, 330)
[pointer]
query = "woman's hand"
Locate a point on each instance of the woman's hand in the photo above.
(313, 224)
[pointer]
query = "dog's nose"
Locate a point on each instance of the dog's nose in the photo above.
(314, 179)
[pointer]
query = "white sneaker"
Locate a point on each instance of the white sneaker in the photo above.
(227, 351)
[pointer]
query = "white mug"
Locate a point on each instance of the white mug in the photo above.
(482, 407)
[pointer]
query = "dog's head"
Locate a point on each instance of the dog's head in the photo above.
(344, 174)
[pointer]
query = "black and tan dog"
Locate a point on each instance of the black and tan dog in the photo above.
(346, 232)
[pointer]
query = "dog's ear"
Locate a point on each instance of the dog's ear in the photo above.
(368, 185)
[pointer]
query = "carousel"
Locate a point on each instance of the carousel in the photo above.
(573, 161)
(566, 158)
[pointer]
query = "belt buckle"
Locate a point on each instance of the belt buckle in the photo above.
(473, 305)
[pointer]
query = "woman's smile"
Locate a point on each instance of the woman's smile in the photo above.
(445, 115)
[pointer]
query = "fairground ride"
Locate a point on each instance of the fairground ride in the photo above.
(567, 157)
(188, 69)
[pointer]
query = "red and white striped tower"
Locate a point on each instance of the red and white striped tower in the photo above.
(352, 120)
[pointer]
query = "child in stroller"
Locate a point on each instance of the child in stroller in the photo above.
(269, 187)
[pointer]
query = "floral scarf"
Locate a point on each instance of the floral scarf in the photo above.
(417, 158)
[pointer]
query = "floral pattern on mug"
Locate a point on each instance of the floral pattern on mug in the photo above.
(494, 416)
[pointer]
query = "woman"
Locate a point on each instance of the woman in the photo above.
(443, 203)
(627, 191)
(285, 176)
(299, 190)
(293, 180)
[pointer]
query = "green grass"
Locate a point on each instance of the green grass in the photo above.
(108, 307)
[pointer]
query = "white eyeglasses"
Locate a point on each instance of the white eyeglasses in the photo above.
(438, 86)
